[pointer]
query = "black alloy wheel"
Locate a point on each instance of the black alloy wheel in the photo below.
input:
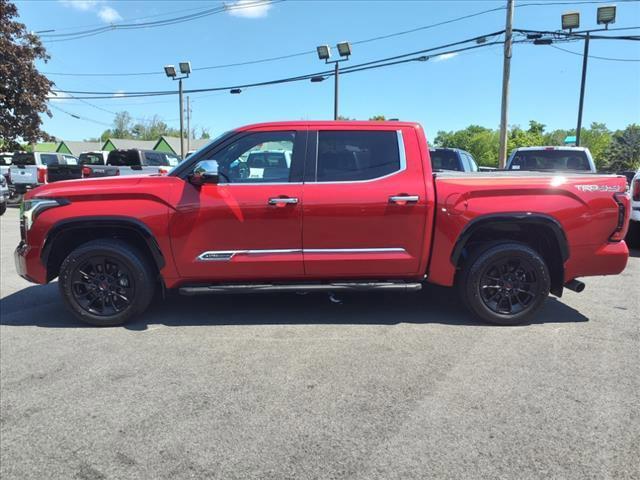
(103, 286)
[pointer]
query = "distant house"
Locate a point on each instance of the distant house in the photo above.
(172, 144)
(126, 144)
(76, 148)
(45, 147)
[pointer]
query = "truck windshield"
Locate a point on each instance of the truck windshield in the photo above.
(91, 159)
(444, 160)
(550, 160)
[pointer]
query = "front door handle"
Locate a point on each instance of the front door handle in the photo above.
(283, 201)
(404, 199)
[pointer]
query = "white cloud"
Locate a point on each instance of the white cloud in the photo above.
(105, 13)
(444, 57)
(248, 8)
(84, 5)
(109, 15)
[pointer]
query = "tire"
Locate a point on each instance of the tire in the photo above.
(633, 235)
(97, 277)
(15, 198)
(505, 284)
(3, 208)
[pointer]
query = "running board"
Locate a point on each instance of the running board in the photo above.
(300, 287)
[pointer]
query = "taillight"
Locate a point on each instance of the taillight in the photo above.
(86, 172)
(622, 200)
(42, 174)
(636, 190)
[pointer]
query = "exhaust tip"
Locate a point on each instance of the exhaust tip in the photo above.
(575, 285)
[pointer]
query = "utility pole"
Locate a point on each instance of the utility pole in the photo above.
(585, 59)
(506, 72)
(188, 124)
(335, 90)
(181, 121)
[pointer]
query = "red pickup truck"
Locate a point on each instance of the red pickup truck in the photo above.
(307, 206)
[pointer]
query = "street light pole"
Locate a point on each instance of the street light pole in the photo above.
(585, 59)
(185, 70)
(506, 73)
(335, 90)
(181, 121)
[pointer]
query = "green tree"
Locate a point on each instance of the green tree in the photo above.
(624, 150)
(23, 90)
(597, 139)
(378, 118)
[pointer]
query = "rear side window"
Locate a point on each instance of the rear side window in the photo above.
(356, 155)
(550, 160)
(473, 166)
(123, 158)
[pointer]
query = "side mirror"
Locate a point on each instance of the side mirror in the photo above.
(205, 171)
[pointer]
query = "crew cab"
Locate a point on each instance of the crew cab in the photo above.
(558, 159)
(358, 208)
(32, 169)
(132, 162)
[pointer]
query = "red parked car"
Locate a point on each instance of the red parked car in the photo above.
(324, 206)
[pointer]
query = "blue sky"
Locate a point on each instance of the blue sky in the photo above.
(442, 94)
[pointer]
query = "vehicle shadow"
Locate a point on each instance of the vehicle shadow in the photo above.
(41, 306)
(634, 252)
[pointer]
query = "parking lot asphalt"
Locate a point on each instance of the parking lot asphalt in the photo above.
(392, 386)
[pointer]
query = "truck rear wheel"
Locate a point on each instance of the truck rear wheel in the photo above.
(106, 282)
(505, 284)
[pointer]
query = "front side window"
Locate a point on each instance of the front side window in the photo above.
(261, 157)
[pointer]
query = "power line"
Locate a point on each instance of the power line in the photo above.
(596, 57)
(62, 37)
(399, 59)
(309, 52)
(80, 117)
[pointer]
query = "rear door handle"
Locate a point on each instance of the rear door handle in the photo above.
(283, 201)
(402, 199)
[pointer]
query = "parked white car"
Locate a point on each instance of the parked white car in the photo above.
(4, 194)
(634, 224)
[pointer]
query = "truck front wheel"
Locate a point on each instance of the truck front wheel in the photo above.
(106, 282)
(505, 283)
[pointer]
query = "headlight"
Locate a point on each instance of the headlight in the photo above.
(30, 209)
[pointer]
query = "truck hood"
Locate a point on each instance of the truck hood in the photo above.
(107, 186)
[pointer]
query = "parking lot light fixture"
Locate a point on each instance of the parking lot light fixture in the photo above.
(170, 70)
(344, 49)
(185, 68)
(324, 52)
(570, 20)
(606, 15)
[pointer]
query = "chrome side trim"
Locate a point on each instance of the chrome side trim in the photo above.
(228, 255)
(300, 287)
(354, 250)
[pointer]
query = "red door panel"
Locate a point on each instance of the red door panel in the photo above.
(227, 232)
(370, 228)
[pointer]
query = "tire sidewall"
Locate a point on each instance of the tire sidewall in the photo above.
(478, 265)
(130, 258)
